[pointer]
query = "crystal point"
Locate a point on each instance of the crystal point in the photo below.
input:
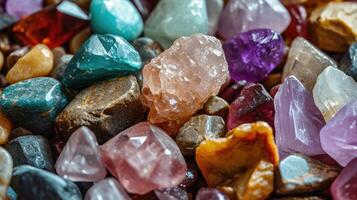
(107, 189)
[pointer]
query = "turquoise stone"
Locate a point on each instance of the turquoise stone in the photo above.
(34, 103)
(101, 57)
(172, 19)
(118, 17)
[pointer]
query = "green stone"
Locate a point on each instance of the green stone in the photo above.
(172, 19)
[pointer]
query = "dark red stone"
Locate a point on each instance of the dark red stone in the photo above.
(299, 22)
(232, 91)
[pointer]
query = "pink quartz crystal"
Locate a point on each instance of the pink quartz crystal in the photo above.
(107, 189)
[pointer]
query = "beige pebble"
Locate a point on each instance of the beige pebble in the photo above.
(1, 60)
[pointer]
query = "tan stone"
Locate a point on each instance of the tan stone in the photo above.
(1, 60)
(5, 129)
(215, 106)
(78, 40)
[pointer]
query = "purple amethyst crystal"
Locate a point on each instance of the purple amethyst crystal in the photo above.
(22, 8)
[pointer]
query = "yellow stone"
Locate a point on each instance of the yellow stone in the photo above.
(5, 129)
(36, 63)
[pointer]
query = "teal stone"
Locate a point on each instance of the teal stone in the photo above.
(34, 103)
(118, 17)
(101, 57)
(172, 19)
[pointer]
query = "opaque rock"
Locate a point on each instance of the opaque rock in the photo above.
(240, 16)
(348, 63)
(147, 48)
(210, 194)
(101, 57)
(198, 129)
(298, 174)
(108, 189)
(2, 60)
(168, 79)
(36, 63)
(254, 54)
(306, 62)
(27, 7)
(143, 158)
(297, 120)
(338, 137)
(11, 194)
(31, 150)
(79, 39)
(216, 106)
(191, 176)
(333, 90)
(214, 10)
(61, 66)
(14, 56)
(80, 159)
(253, 104)
(221, 159)
(5, 172)
(118, 17)
(106, 108)
(34, 103)
(173, 19)
(5, 128)
(345, 185)
(44, 185)
(145, 6)
(175, 193)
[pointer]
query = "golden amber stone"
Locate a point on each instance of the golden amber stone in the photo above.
(221, 159)
(333, 27)
(2, 60)
(5, 129)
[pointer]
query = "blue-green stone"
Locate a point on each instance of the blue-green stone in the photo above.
(101, 57)
(118, 17)
(34, 103)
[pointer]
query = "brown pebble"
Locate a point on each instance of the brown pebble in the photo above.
(5, 129)
(78, 40)
(1, 60)
(14, 56)
(215, 106)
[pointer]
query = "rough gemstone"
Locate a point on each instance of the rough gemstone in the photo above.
(38, 179)
(306, 62)
(215, 106)
(298, 174)
(253, 104)
(339, 136)
(80, 159)
(254, 54)
(101, 57)
(34, 103)
(348, 63)
(333, 90)
(173, 19)
(118, 17)
(5, 172)
(345, 185)
(299, 22)
(214, 10)
(106, 108)
(107, 189)
(175, 193)
(52, 26)
(210, 194)
(145, 6)
(198, 129)
(143, 157)
(241, 15)
(27, 7)
(221, 159)
(297, 119)
(33, 150)
(147, 48)
(38, 62)
(168, 79)
(5, 128)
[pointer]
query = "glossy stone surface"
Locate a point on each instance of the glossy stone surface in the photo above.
(298, 174)
(173, 19)
(106, 108)
(79, 39)
(252, 15)
(254, 54)
(11, 194)
(61, 66)
(333, 90)
(214, 10)
(34, 150)
(107, 189)
(210, 194)
(338, 137)
(101, 57)
(306, 62)
(67, 19)
(147, 48)
(118, 17)
(14, 56)
(5, 172)
(34, 103)
(38, 179)
(348, 63)
(221, 159)
(80, 159)
(215, 106)
(27, 7)
(145, 6)
(38, 62)
(299, 22)
(198, 129)
(143, 157)
(5, 128)
(345, 185)
(175, 193)
(297, 119)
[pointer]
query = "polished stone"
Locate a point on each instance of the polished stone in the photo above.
(5, 172)
(145, 7)
(345, 185)
(215, 106)
(214, 10)
(147, 48)
(107, 189)
(5, 128)
(61, 66)
(14, 56)
(79, 39)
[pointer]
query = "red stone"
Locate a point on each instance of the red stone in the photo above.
(52, 26)
(299, 23)
(232, 91)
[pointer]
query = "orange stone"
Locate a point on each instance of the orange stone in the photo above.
(5, 129)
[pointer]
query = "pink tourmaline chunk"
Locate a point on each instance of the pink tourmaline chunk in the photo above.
(143, 158)
(345, 185)
(80, 158)
(107, 189)
(297, 119)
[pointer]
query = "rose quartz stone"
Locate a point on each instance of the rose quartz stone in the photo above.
(143, 158)
(107, 189)
(80, 158)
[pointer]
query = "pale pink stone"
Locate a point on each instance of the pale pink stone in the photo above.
(80, 158)
(107, 189)
(143, 158)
